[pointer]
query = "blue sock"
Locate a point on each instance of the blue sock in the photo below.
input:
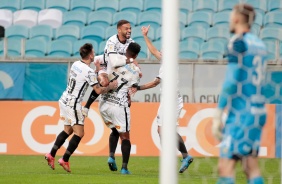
(225, 180)
(256, 180)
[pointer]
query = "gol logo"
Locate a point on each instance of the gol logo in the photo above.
(98, 140)
(197, 132)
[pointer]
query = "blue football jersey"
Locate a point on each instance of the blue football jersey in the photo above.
(242, 89)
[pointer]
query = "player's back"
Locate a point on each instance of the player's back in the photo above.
(248, 52)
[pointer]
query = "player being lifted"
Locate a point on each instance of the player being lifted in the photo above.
(115, 107)
(187, 159)
(242, 98)
(115, 46)
(81, 76)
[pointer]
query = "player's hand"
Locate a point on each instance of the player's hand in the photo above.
(217, 125)
(113, 85)
(145, 30)
(132, 91)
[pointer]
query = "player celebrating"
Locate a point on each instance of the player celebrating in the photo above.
(187, 159)
(242, 97)
(115, 46)
(81, 76)
(114, 107)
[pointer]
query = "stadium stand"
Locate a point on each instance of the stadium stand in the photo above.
(259, 5)
(130, 16)
(137, 35)
(17, 32)
(158, 35)
(110, 31)
(186, 6)
(226, 5)
(78, 43)
(62, 5)
(12, 5)
(25, 17)
(144, 50)
(82, 5)
(13, 46)
(68, 32)
(201, 18)
(6, 18)
(35, 5)
(218, 34)
(182, 20)
(212, 50)
(60, 48)
(274, 5)
(36, 47)
(220, 18)
(196, 34)
(100, 18)
(203, 5)
(78, 18)
(102, 47)
(107, 5)
(51, 17)
(151, 18)
(41, 31)
(189, 49)
(153, 5)
(273, 19)
(127, 5)
(93, 32)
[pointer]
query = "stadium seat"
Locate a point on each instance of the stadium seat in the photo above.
(136, 34)
(78, 43)
(41, 31)
(107, 5)
(221, 18)
(213, 50)
(25, 17)
(218, 33)
(195, 34)
(100, 18)
(201, 19)
(60, 48)
(17, 32)
(255, 29)
(82, 5)
(110, 31)
(271, 33)
(12, 5)
(51, 17)
(6, 18)
(271, 46)
(158, 34)
(127, 5)
(68, 32)
(144, 50)
(63, 5)
(77, 18)
(154, 19)
(93, 32)
(129, 16)
(36, 47)
(259, 18)
(203, 5)
(274, 5)
(35, 5)
(189, 50)
(102, 47)
(152, 5)
(227, 5)
(186, 6)
(182, 20)
(13, 46)
(273, 19)
(259, 5)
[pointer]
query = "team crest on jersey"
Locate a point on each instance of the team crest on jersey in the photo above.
(111, 48)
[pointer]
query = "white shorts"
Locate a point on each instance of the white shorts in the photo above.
(70, 116)
(160, 117)
(115, 116)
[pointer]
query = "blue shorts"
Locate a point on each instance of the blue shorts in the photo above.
(241, 139)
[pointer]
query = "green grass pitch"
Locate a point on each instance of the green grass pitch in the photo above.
(94, 170)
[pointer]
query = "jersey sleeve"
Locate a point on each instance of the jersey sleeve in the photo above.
(236, 49)
(91, 78)
(160, 75)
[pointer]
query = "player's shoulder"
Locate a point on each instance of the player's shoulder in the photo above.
(113, 39)
(130, 40)
(237, 43)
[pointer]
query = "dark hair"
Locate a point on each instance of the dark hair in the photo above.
(133, 49)
(247, 11)
(121, 22)
(85, 50)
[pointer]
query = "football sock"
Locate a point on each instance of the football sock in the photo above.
(125, 149)
(225, 180)
(71, 148)
(91, 99)
(182, 147)
(113, 141)
(256, 180)
(59, 142)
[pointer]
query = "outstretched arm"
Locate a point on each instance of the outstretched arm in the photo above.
(149, 44)
(148, 85)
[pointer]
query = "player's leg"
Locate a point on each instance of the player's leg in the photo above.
(252, 171)
(226, 170)
(125, 149)
(113, 141)
(187, 159)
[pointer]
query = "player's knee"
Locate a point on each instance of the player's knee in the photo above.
(124, 136)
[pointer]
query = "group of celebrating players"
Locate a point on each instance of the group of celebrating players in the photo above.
(116, 78)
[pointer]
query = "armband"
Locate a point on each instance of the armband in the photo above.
(138, 87)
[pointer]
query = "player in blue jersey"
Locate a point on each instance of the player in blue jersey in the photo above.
(242, 98)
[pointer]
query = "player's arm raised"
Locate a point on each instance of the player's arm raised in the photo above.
(149, 44)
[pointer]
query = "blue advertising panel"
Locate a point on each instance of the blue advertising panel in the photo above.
(45, 81)
(12, 77)
(278, 130)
